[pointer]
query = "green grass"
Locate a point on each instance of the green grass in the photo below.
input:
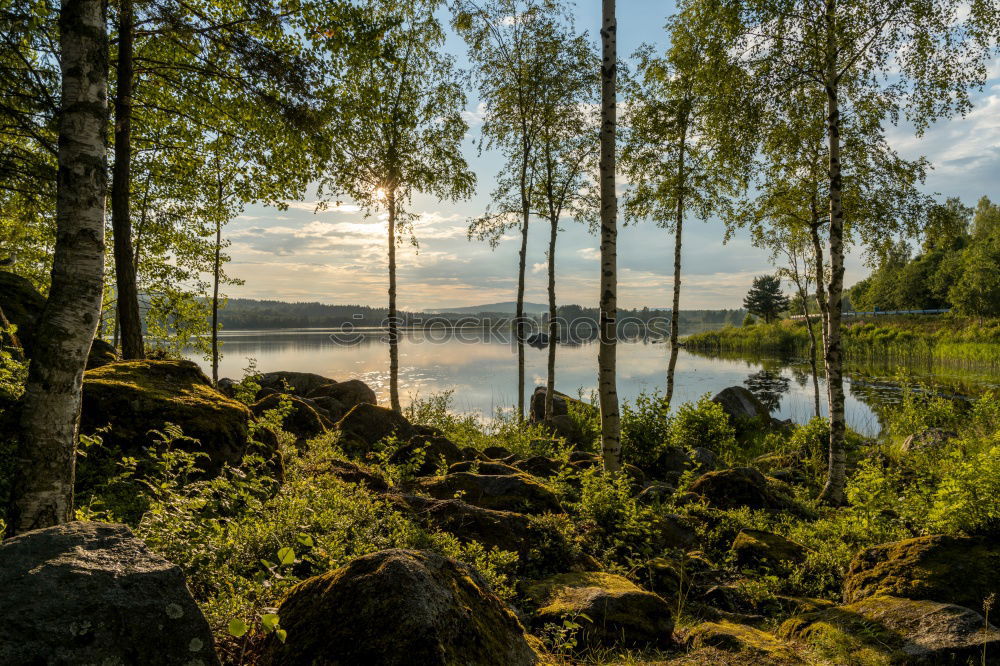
(945, 340)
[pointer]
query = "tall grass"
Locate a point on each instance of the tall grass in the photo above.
(948, 341)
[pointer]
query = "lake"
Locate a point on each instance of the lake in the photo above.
(481, 371)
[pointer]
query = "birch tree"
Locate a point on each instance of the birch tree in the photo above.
(607, 385)
(869, 62)
(402, 127)
(50, 408)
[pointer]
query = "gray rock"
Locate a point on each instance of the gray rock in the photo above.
(91, 593)
(396, 608)
(740, 404)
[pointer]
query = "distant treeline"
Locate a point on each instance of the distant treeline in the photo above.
(248, 313)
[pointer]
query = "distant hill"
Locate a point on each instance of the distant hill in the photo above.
(508, 307)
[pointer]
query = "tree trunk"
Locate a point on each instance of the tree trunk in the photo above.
(129, 320)
(521, 265)
(675, 314)
(393, 324)
(50, 408)
(606, 358)
(804, 296)
(215, 301)
(833, 491)
(550, 377)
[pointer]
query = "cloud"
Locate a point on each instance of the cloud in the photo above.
(590, 253)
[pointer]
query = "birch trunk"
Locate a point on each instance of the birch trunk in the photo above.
(833, 491)
(521, 265)
(675, 315)
(550, 377)
(215, 304)
(606, 359)
(393, 325)
(129, 321)
(50, 408)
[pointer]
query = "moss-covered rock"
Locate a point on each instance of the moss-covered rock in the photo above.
(366, 425)
(301, 383)
(512, 492)
(891, 630)
(610, 609)
(429, 453)
(755, 548)
(561, 404)
(740, 405)
(348, 393)
(540, 466)
(135, 397)
(957, 570)
(741, 487)
(398, 608)
(490, 467)
(541, 546)
(302, 421)
(733, 637)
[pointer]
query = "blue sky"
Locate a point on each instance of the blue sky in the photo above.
(338, 256)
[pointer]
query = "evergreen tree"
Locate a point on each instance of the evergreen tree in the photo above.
(765, 298)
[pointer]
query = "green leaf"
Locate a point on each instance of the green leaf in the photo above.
(306, 540)
(286, 556)
(237, 627)
(269, 621)
(282, 635)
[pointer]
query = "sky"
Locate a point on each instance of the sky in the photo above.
(338, 256)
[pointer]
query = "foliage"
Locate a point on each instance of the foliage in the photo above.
(646, 429)
(765, 298)
(703, 424)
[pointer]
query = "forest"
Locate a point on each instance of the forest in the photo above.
(156, 511)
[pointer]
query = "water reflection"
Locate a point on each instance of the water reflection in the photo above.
(482, 371)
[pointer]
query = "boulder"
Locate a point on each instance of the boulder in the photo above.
(540, 466)
(428, 453)
(302, 383)
(957, 570)
(733, 637)
(656, 492)
(741, 405)
(929, 438)
(540, 546)
(302, 421)
(351, 393)
(891, 630)
(22, 305)
(563, 426)
(490, 467)
(739, 487)
(347, 471)
(91, 593)
(366, 425)
(497, 453)
(397, 608)
(753, 548)
(671, 531)
(511, 492)
(620, 613)
(135, 397)
(333, 408)
(560, 405)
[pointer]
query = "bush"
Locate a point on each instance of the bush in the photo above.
(704, 424)
(645, 429)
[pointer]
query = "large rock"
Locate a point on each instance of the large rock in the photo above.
(135, 397)
(398, 608)
(91, 593)
(303, 420)
(350, 393)
(733, 637)
(619, 612)
(890, 630)
(560, 404)
(366, 425)
(22, 305)
(740, 487)
(511, 492)
(542, 547)
(302, 383)
(957, 570)
(428, 453)
(753, 548)
(741, 405)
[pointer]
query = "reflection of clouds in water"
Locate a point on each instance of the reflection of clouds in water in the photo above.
(483, 376)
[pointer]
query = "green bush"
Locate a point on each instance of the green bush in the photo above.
(704, 424)
(645, 429)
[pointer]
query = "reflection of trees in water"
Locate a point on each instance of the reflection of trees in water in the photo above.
(768, 386)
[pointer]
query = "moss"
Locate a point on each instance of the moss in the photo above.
(959, 570)
(740, 638)
(611, 609)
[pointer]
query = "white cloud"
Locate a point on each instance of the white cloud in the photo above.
(590, 253)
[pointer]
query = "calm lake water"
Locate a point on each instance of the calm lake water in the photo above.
(481, 372)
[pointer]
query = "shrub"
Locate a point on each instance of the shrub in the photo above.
(645, 429)
(703, 423)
